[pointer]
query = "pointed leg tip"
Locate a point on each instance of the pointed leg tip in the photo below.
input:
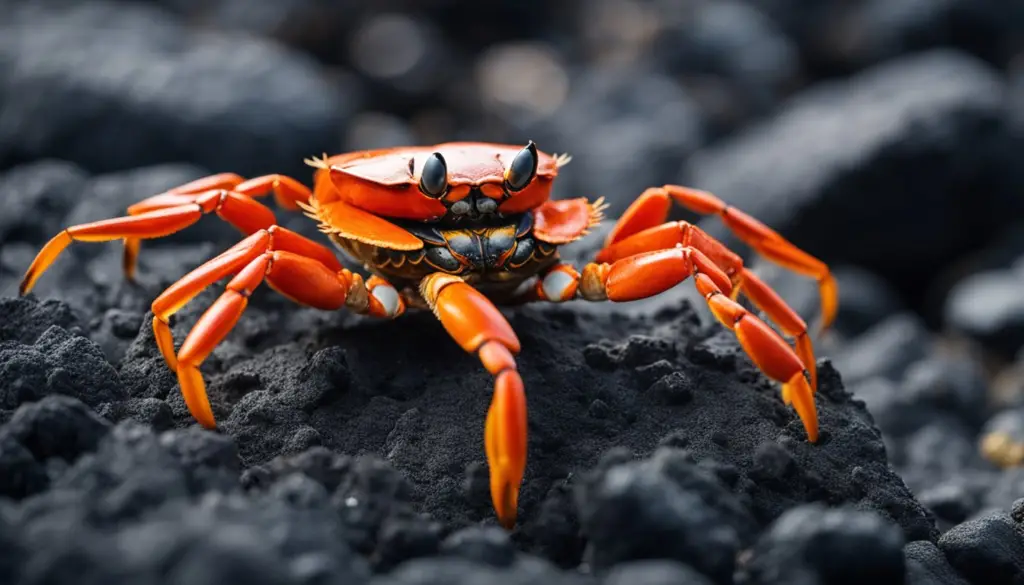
(208, 423)
(802, 400)
(829, 303)
(505, 499)
(507, 522)
(26, 284)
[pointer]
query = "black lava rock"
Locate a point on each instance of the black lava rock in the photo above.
(865, 299)
(940, 449)
(881, 29)
(59, 362)
(316, 26)
(444, 571)
(886, 350)
(836, 37)
(810, 544)
(735, 60)
(612, 124)
(989, 549)
(901, 148)
(953, 384)
(927, 566)
(39, 196)
(1005, 489)
(114, 86)
(752, 461)
(25, 320)
(654, 573)
(637, 511)
(489, 545)
(56, 426)
(987, 307)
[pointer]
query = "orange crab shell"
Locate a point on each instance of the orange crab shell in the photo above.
(385, 182)
(355, 194)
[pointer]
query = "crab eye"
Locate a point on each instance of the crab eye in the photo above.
(434, 178)
(523, 168)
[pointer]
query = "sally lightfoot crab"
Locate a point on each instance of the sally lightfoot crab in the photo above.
(458, 228)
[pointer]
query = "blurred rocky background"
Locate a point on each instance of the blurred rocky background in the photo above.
(884, 136)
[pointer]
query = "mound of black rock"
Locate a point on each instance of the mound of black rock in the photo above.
(347, 450)
(334, 464)
(880, 135)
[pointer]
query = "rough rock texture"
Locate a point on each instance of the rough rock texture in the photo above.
(989, 549)
(811, 544)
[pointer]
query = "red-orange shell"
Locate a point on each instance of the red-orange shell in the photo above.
(384, 183)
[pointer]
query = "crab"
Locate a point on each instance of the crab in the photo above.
(460, 228)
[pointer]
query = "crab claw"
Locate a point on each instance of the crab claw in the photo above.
(478, 327)
(505, 444)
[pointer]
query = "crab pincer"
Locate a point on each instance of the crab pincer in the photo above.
(478, 327)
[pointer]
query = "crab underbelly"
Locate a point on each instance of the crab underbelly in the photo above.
(493, 260)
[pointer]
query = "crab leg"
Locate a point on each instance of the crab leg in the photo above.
(154, 224)
(245, 213)
(228, 263)
(666, 235)
(652, 207)
(300, 278)
(767, 300)
(295, 266)
(287, 192)
(478, 327)
(650, 273)
(237, 208)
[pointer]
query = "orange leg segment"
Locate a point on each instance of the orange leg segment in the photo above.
(651, 273)
(244, 213)
(157, 217)
(298, 268)
(209, 331)
(152, 224)
(651, 209)
(681, 233)
(288, 192)
(299, 278)
(234, 196)
(767, 300)
(478, 327)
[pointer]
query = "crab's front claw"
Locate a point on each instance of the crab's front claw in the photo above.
(505, 444)
(478, 327)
